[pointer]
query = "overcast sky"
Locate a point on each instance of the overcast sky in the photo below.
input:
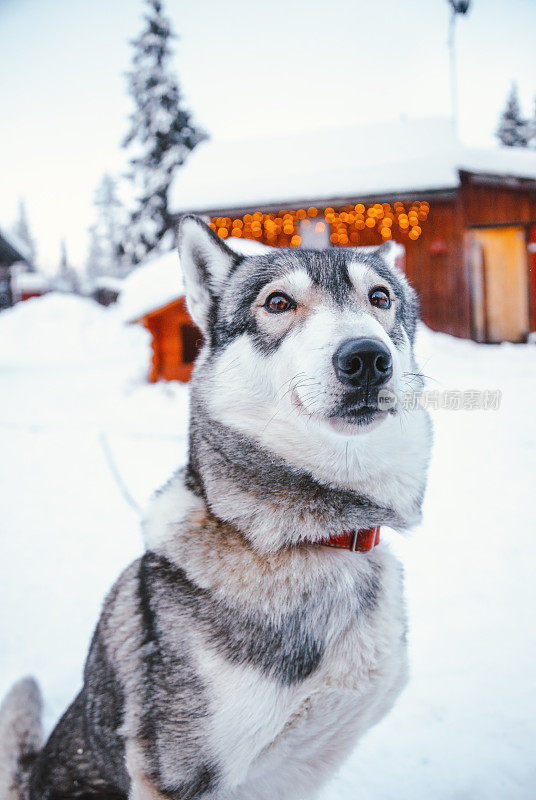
(245, 68)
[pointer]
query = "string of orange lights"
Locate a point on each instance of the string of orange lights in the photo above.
(345, 224)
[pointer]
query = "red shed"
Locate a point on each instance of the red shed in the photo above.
(30, 284)
(175, 341)
(154, 295)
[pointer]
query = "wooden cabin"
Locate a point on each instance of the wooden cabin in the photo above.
(12, 252)
(466, 217)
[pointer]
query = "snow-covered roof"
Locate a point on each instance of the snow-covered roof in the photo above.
(15, 249)
(24, 282)
(414, 155)
(150, 286)
(159, 281)
(514, 162)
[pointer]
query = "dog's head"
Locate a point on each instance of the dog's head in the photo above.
(305, 360)
(297, 389)
(324, 338)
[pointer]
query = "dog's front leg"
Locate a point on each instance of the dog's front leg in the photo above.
(142, 788)
(147, 781)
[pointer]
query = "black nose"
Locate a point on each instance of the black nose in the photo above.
(363, 362)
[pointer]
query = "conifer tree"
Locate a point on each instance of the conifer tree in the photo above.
(512, 130)
(67, 277)
(531, 133)
(95, 263)
(161, 133)
(106, 236)
(63, 268)
(110, 223)
(21, 229)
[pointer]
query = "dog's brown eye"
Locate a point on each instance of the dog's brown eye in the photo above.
(277, 302)
(380, 298)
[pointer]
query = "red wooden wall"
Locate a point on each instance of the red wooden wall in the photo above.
(173, 347)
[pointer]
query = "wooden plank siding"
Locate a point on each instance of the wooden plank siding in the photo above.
(164, 325)
(486, 204)
(435, 267)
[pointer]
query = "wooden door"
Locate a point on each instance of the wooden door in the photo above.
(475, 257)
(499, 271)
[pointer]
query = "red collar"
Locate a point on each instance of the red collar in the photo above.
(362, 540)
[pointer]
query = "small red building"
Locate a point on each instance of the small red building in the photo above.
(175, 341)
(30, 284)
(153, 295)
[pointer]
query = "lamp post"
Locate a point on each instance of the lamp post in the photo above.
(458, 7)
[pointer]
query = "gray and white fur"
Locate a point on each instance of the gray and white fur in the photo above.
(239, 659)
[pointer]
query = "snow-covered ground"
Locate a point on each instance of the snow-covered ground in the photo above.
(75, 410)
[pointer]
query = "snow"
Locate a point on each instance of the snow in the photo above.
(503, 161)
(412, 155)
(72, 390)
(159, 281)
(247, 247)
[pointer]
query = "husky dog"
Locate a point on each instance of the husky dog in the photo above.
(249, 648)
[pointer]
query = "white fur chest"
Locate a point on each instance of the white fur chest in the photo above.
(261, 729)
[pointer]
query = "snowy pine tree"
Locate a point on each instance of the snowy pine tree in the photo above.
(63, 269)
(67, 279)
(21, 229)
(512, 130)
(96, 260)
(531, 126)
(106, 255)
(161, 133)
(111, 220)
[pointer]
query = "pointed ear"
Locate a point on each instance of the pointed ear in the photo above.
(206, 263)
(389, 251)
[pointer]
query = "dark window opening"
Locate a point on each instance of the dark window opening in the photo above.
(191, 340)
